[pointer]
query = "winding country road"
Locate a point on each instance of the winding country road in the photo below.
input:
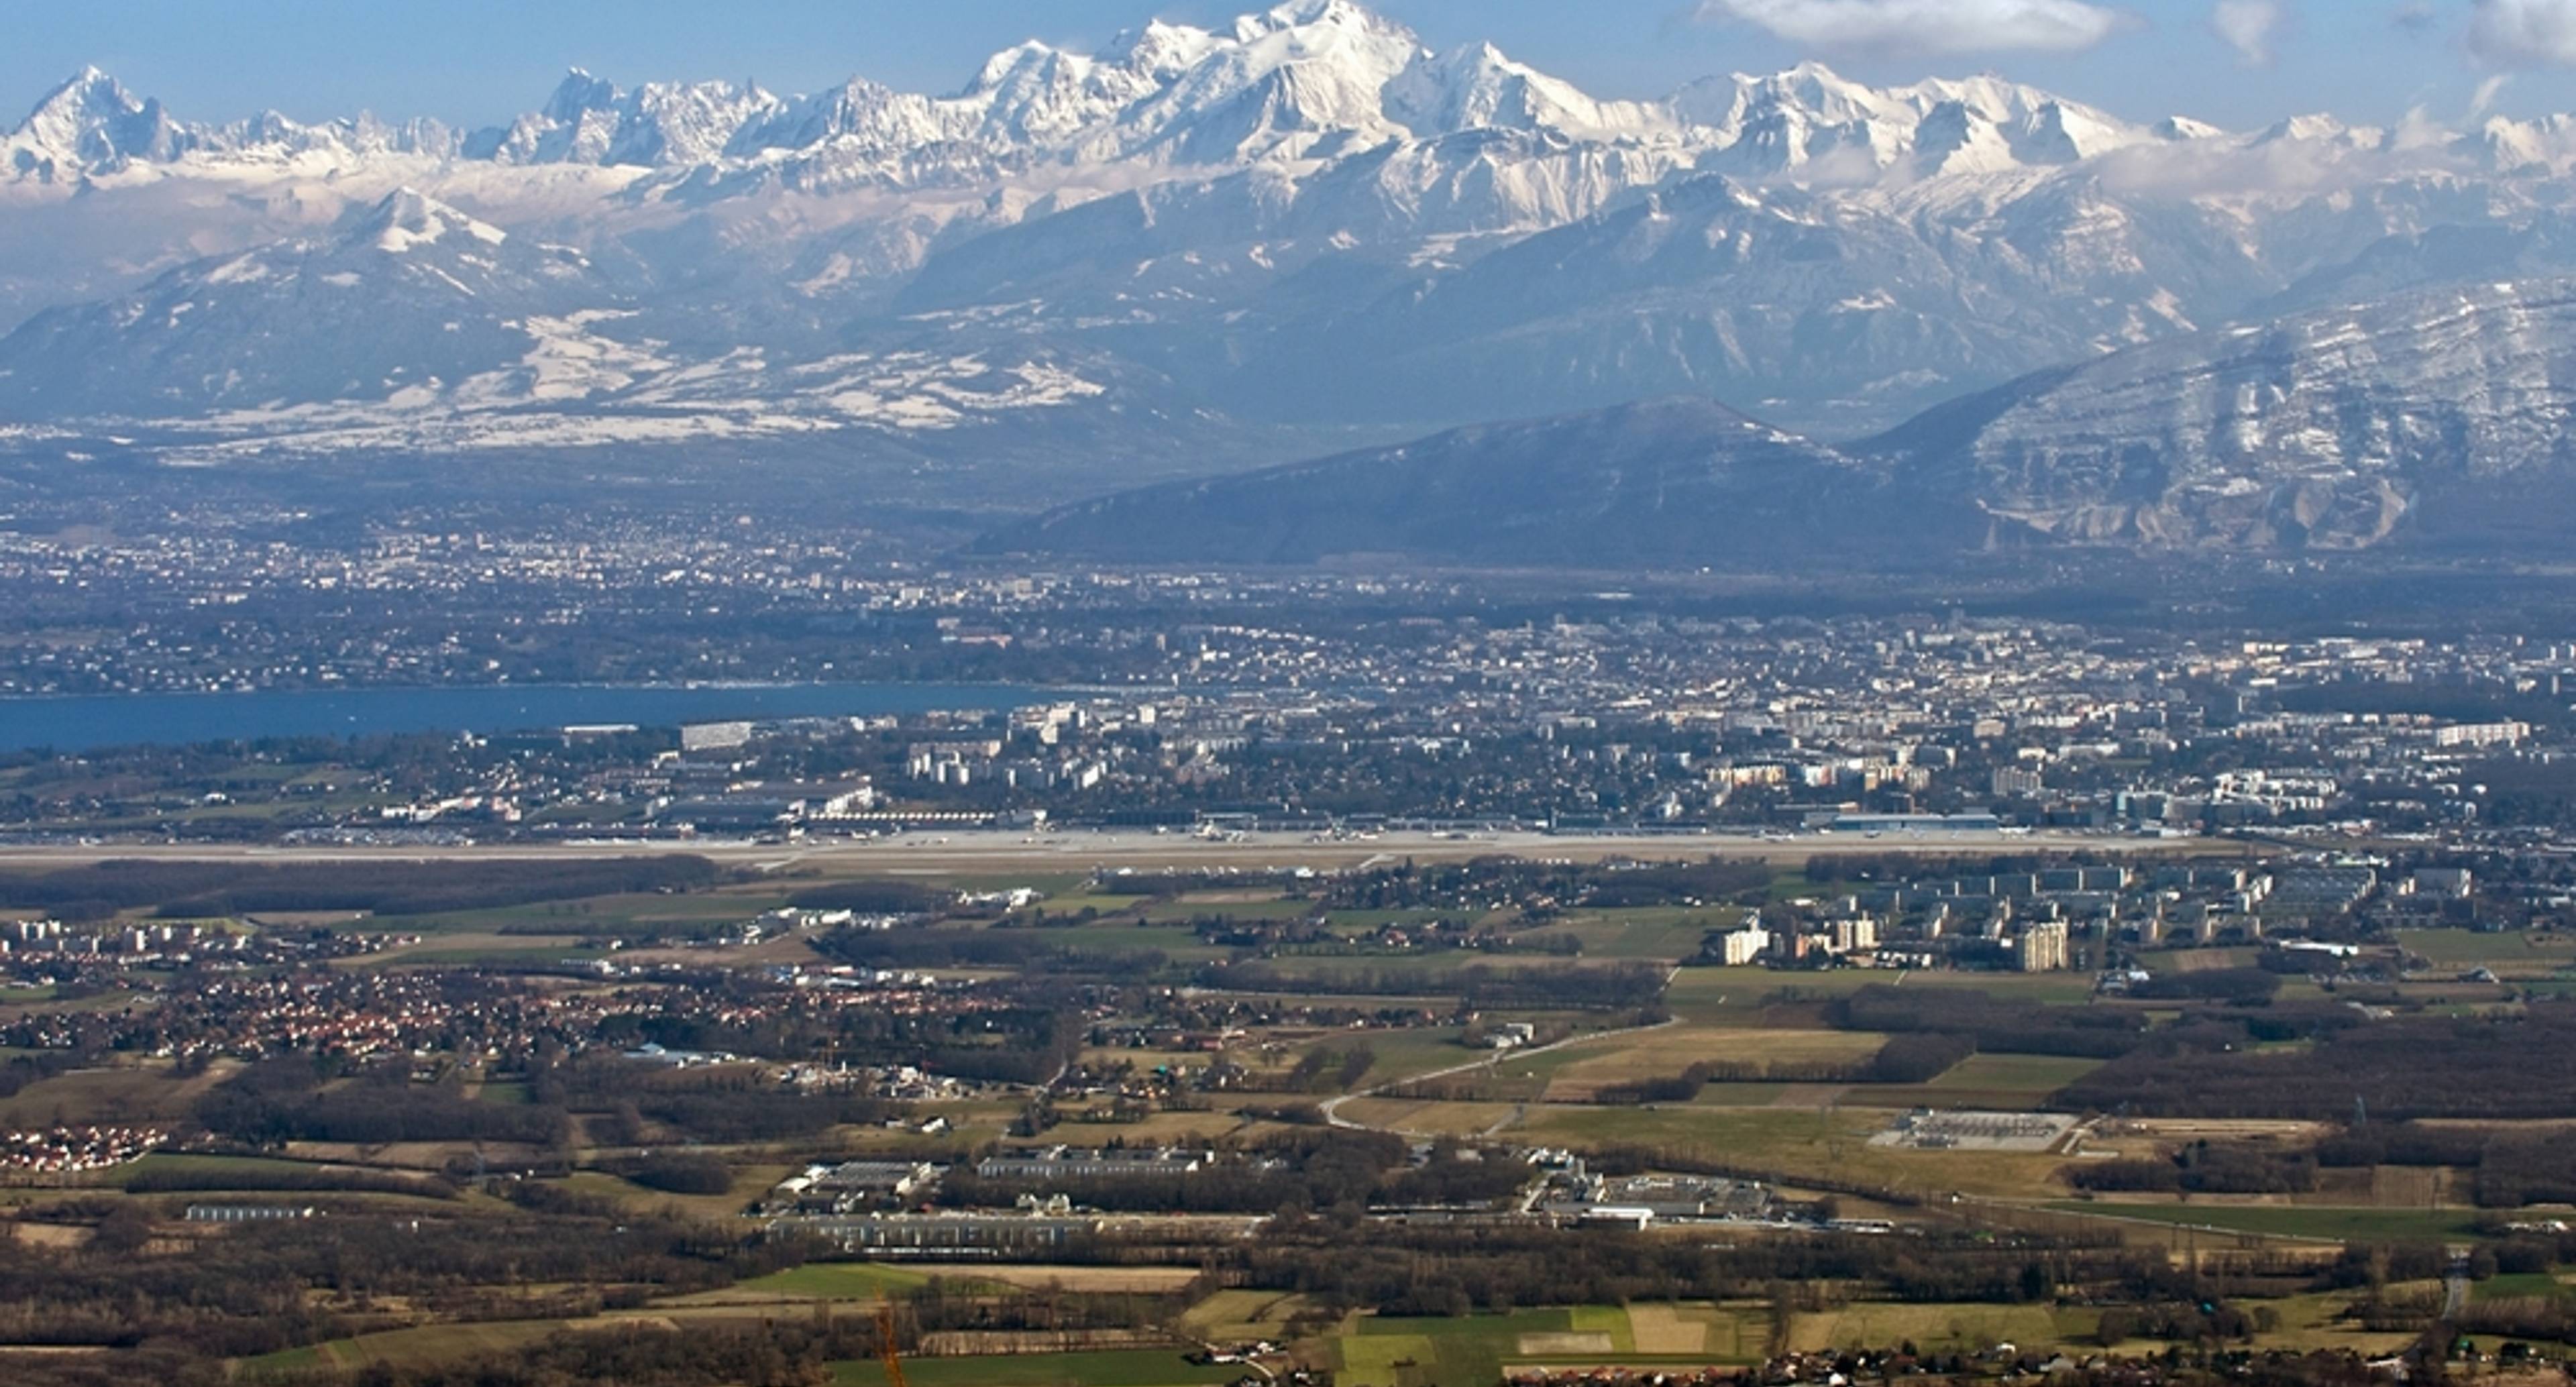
(1332, 1107)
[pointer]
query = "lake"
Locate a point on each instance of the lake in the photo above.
(89, 721)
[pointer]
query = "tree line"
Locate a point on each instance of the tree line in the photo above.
(2406, 1068)
(190, 890)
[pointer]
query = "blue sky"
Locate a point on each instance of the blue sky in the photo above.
(477, 62)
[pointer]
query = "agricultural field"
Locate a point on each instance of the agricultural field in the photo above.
(2320, 1322)
(1578, 1072)
(2524, 1285)
(1813, 1097)
(1422, 1118)
(1478, 1349)
(467, 948)
(428, 1344)
(1244, 1316)
(750, 1182)
(1103, 1017)
(1370, 1351)
(835, 1281)
(1656, 933)
(134, 1093)
(1714, 995)
(1936, 1327)
(1121, 1368)
(2001, 1083)
(1789, 1143)
(1406, 1053)
(2507, 953)
(2324, 1224)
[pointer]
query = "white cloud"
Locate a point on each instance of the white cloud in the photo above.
(2487, 93)
(2524, 33)
(1926, 26)
(2283, 168)
(2248, 26)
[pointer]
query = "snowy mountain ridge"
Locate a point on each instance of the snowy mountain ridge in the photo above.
(1223, 239)
(1281, 84)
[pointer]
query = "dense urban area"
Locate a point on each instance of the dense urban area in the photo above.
(1367, 981)
(1214, 703)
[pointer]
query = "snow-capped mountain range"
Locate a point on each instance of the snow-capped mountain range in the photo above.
(1194, 249)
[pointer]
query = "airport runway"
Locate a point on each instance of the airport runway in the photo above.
(941, 852)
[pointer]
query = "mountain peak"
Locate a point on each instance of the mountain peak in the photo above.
(1159, 48)
(2180, 128)
(88, 95)
(1305, 14)
(2313, 126)
(578, 92)
(1480, 87)
(407, 218)
(91, 123)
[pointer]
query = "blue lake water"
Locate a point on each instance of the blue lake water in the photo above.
(86, 722)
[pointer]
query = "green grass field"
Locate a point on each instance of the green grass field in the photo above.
(1661, 934)
(1174, 911)
(1124, 1368)
(1724, 996)
(837, 1281)
(1578, 1070)
(596, 912)
(2527, 1285)
(1235, 1316)
(1399, 1054)
(750, 1182)
(1964, 1326)
(1465, 1352)
(466, 950)
(1998, 1082)
(2291, 1221)
(1475, 1350)
(1789, 1142)
(132, 1094)
(212, 1171)
(1180, 944)
(426, 1345)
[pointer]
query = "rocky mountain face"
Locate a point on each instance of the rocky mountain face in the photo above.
(2416, 418)
(2435, 420)
(1193, 250)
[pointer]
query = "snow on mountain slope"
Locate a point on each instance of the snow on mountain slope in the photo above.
(2326, 430)
(1808, 118)
(1304, 216)
(1477, 88)
(590, 121)
(2433, 420)
(396, 301)
(1793, 302)
(91, 124)
(91, 127)
(1306, 77)
(414, 325)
